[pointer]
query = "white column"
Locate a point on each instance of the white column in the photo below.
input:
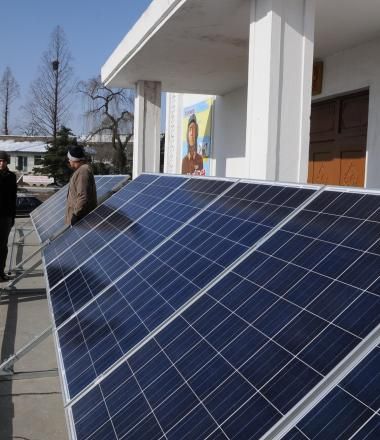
(173, 141)
(279, 89)
(146, 142)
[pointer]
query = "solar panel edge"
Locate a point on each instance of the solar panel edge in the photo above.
(35, 229)
(69, 420)
(321, 390)
(198, 295)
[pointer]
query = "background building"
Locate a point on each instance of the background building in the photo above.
(25, 152)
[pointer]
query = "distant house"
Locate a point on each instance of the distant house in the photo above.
(101, 145)
(26, 152)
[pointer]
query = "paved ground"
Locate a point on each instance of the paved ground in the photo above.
(31, 406)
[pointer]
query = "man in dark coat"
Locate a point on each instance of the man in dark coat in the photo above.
(81, 195)
(8, 195)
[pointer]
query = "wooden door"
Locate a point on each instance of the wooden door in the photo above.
(338, 138)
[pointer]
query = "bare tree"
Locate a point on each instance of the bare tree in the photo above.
(51, 93)
(9, 91)
(110, 112)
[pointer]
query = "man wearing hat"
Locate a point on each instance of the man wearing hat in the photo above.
(8, 195)
(81, 195)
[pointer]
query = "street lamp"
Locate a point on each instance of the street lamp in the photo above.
(55, 65)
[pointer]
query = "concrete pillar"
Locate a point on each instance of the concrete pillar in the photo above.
(173, 140)
(279, 89)
(146, 142)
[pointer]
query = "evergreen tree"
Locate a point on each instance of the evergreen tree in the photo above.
(55, 160)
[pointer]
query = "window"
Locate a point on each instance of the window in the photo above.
(22, 163)
(38, 160)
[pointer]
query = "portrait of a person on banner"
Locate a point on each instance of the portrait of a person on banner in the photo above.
(192, 162)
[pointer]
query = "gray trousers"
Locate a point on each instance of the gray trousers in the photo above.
(5, 229)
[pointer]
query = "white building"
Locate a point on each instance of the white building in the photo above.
(25, 152)
(254, 58)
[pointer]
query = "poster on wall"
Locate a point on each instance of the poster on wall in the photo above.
(196, 139)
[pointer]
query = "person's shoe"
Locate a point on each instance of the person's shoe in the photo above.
(4, 277)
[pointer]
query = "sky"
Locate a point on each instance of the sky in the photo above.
(93, 29)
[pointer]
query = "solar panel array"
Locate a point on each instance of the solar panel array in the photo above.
(48, 217)
(214, 307)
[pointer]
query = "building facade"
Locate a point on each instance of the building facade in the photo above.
(293, 86)
(25, 152)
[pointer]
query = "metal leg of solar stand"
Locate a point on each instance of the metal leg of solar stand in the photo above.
(20, 277)
(11, 258)
(6, 368)
(30, 230)
(21, 228)
(19, 265)
(25, 235)
(14, 243)
(42, 246)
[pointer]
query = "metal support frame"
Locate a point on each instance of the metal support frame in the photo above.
(6, 368)
(19, 265)
(22, 275)
(20, 242)
(11, 258)
(29, 269)
(28, 233)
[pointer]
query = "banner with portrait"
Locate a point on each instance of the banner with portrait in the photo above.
(197, 138)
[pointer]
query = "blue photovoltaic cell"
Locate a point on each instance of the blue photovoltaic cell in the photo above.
(48, 218)
(350, 410)
(111, 228)
(98, 216)
(152, 291)
(131, 245)
(240, 357)
(108, 183)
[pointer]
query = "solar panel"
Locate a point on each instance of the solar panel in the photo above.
(48, 217)
(128, 246)
(150, 292)
(250, 346)
(99, 216)
(350, 410)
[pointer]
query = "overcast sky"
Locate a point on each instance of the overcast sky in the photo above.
(93, 29)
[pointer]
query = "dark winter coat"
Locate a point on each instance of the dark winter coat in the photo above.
(8, 194)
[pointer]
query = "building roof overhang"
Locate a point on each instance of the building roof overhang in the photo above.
(201, 46)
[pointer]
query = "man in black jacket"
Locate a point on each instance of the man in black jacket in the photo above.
(8, 194)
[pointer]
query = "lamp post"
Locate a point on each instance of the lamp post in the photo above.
(55, 66)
